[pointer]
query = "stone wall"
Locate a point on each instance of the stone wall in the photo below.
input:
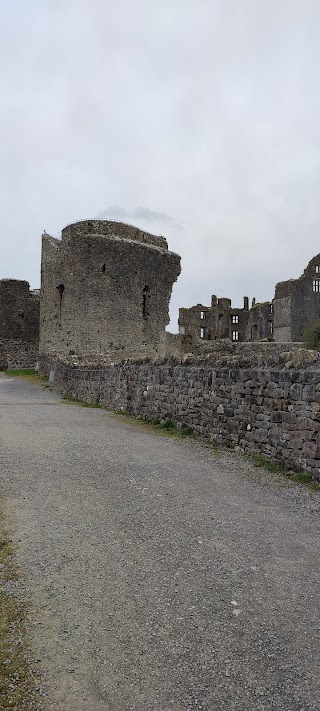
(221, 320)
(18, 354)
(268, 405)
(105, 291)
(19, 324)
(297, 303)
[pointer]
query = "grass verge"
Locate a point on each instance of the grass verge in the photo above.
(166, 426)
(278, 468)
(19, 686)
(29, 374)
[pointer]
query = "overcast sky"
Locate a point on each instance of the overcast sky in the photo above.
(195, 119)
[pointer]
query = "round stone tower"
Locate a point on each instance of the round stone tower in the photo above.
(105, 292)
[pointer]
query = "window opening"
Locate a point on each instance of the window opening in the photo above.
(104, 266)
(271, 308)
(60, 289)
(201, 332)
(316, 285)
(318, 269)
(271, 327)
(235, 318)
(146, 300)
(202, 315)
(235, 335)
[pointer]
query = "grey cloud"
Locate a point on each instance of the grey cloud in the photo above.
(138, 214)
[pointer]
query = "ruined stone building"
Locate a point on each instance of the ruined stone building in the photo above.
(19, 324)
(297, 304)
(105, 291)
(221, 320)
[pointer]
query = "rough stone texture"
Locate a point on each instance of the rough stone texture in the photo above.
(18, 354)
(105, 291)
(19, 324)
(221, 321)
(297, 303)
(265, 349)
(264, 405)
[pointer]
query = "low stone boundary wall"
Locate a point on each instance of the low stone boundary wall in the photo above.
(18, 354)
(270, 408)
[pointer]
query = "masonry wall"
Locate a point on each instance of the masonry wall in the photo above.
(105, 291)
(221, 321)
(297, 303)
(268, 405)
(19, 325)
(18, 354)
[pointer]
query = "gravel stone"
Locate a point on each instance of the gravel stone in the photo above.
(164, 574)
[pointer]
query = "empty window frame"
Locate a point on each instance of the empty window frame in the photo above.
(235, 335)
(235, 318)
(201, 332)
(202, 315)
(317, 268)
(146, 302)
(316, 285)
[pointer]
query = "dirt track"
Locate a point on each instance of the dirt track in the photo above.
(162, 576)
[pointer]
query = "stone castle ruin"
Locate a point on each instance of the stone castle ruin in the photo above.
(104, 306)
(19, 324)
(296, 304)
(105, 292)
(221, 321)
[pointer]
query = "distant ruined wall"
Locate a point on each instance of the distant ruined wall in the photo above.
(221, 320)
(105, 291)
(263, 404)
(297, 303)
(19, 325)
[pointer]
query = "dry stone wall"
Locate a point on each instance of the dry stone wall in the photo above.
(263, 405)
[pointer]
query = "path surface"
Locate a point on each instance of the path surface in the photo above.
(162, 576)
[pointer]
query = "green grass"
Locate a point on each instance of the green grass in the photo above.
(18, 683)
(165, 427)
(23, 372)
(271, 466)
(278, 468)
(29, 374)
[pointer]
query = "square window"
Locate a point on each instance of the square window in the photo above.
(235, 318)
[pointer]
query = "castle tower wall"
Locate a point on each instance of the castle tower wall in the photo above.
(105, 292)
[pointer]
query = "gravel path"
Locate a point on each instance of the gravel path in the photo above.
(163, 576)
